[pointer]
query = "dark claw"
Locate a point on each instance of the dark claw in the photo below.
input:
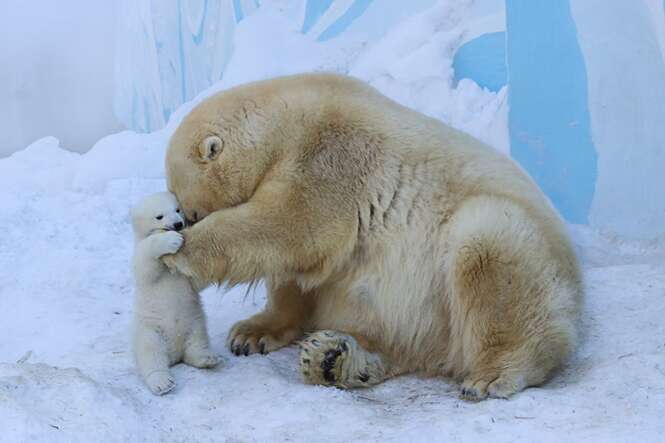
(330, 357)
(245, 350)
(236, 350)
(262, 348)
(363, 377)
(305, 360)
(328, 364)
(345, 347)
(315, 342)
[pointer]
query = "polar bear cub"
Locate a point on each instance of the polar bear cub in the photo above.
(169, 322)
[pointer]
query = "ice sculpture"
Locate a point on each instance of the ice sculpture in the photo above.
(549, 112)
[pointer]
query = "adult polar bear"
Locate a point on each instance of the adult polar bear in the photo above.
(403, 244)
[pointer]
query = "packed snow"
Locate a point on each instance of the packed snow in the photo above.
(66, 371)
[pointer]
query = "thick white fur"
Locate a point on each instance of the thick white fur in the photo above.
(413, 246)
(169, 322)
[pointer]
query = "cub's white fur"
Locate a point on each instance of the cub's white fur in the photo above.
(169, 323)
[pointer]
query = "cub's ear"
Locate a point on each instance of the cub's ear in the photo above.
(210, 148)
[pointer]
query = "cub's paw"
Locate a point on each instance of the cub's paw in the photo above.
(160, 382)
(202, 360)
(254, 335)
(169, 242)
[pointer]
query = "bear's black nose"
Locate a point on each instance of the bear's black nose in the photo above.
(178, 226)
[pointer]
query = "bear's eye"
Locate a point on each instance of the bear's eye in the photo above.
(178, 210)
(159, 217)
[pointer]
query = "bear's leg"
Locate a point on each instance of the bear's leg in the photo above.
(197, 348)
(279, 324)
(513, 303)
(152, 361)
(333, 358)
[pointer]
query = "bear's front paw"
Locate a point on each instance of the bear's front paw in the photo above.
(260, 334)
(169, 242)
(160, 382)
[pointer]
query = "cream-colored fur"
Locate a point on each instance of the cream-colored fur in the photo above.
(417, 247)
(169, 323)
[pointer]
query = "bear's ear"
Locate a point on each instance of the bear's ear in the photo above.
(210, 148)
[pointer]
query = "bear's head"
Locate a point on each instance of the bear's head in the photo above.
(222, 150)
(155, 213)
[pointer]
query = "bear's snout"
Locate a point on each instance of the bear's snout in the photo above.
(178, 226)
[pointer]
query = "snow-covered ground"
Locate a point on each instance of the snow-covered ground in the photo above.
(66, 372)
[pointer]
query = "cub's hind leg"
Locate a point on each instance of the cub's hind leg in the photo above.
(152, 360)
(197, 348)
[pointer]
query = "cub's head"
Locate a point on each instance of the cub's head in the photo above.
(221, 151)
(157, 212)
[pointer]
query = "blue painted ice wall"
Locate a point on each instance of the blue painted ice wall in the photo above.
(356, 9)
(623, 43)
(586, 92)
(549, 118)
(483, 60)
(314, 9)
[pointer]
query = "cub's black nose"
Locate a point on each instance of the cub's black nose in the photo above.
(178, 226)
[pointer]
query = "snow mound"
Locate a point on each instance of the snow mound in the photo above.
(40, 402)
(43, 165)
(414, 63)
